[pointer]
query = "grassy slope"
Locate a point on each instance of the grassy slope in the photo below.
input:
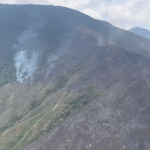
(48, 105)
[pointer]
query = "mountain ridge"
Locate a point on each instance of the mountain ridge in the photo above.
(83, 92)
(141, 31)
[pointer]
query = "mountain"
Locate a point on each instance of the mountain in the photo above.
(141, 31)
(70, 82)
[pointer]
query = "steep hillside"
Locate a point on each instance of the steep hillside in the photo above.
(140, 31)
(117, 118)
(71, 82)
(46, 30)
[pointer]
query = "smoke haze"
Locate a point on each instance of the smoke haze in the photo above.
(25, 67)
(26, 60)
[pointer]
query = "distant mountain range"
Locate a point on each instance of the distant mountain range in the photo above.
(141, 31)
(70, 82)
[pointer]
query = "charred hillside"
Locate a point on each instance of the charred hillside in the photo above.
(71, 82)
(46, 30)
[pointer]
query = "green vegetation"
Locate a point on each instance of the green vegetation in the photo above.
(68, 107)
(62, 80)
(9, 124)
(34, 104)
(73, 105)
(7, 73)
(59, 83)
(40, 120)
(17, 142)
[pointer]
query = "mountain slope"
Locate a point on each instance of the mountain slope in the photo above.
(115, 119)
(74, 78)
(140, 31)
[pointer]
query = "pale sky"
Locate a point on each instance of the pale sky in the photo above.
(122, 13)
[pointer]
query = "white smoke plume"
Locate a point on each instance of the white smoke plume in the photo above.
(25, 67)
(51, 61)
(28, 48)
(26, 60)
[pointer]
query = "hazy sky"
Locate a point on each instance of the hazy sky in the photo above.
(122, 13)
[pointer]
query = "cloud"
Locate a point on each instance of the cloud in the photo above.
(122, 13)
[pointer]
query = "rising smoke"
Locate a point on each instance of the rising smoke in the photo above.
(58, 53)
(27, 56)
(26, 60)
(28, 50)
(51, 61)
(25, 67)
